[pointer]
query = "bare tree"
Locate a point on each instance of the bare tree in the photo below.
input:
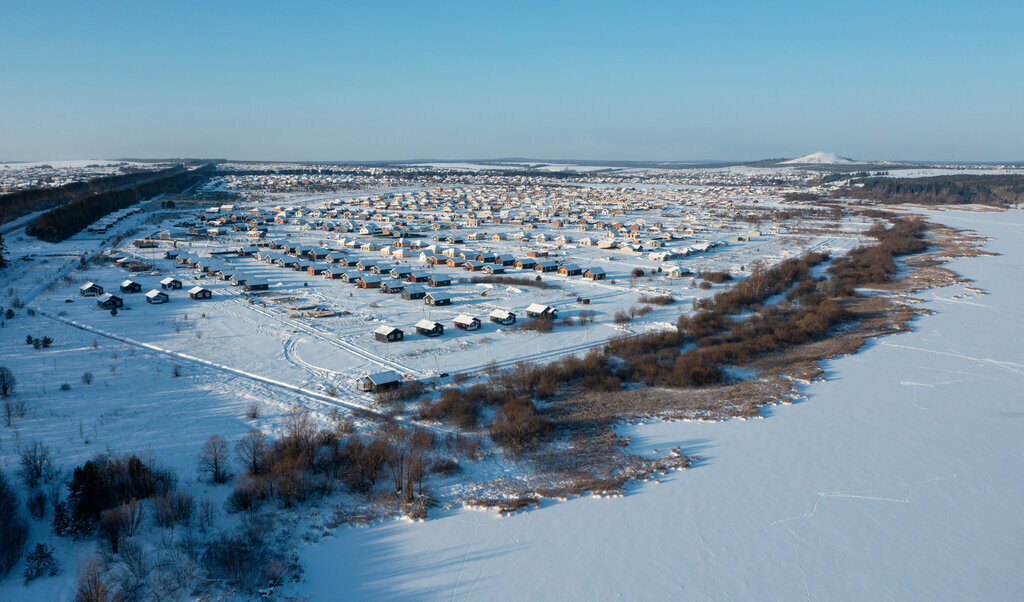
(92, 586)
(213, 459)
(251, 450)
(7, 382)
(36, 465)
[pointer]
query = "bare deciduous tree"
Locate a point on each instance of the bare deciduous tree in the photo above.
(7, 382)
(251, 450)
(213, 459)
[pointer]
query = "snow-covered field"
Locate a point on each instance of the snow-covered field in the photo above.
(899, 478)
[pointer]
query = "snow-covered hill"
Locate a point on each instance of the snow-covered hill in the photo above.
(819, 158)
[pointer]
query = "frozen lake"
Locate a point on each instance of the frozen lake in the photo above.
(901, 477)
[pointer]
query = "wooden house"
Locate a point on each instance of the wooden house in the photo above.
(594, 273)
(388, 334)
(381, 381)
(256, 285)
(109, 301)
(90, 289)
(439, 280)
(501, 316)
(436, 298)
(467, 322)
(570, 269)
(157, 296)
(413, 291)
(391, 287)
(130, 286)
(170, 284)
(537, 310)
(198, 292)
(429, 328)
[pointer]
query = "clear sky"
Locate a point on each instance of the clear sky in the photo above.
(585, 80)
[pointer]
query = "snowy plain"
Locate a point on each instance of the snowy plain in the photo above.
(900, 477)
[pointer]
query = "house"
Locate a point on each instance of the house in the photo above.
(500, 316)
(525, 264)
(388, 334)
(108, 301)
(169, 283)
(473, 266)
(414, 292)
(594, 273)
(256, 285)
(570, 269)
(400, 272)
(678, 272)
(418, 276)
(381, 381)
(467, 322)
(493, 268)
(436, 298)
(392, 286)
(439, 280)
(429, 328)
(504, 260)
(316, 269)
(198, 292)
(368, 281)
(156, 296)
(333, 273)
(546, 266)
(90, 289)
(130, 286)
(536, 310)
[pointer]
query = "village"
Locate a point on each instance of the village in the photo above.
(349, 295)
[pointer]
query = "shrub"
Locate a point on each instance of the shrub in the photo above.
(716, 277)
(621, 317)
(657, 299)
(39, 562)
(37, 504)
(517, 427)
(173, 509)
(87, 378)
(243, 558)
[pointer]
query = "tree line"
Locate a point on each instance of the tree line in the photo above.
(33, 199)
(998, 190)
(67, 220)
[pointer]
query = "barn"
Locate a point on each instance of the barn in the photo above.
(429, 328)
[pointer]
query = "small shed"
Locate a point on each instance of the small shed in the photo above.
(429, 328)
(439, 280)
(388, 334)
(198, 292)
(256, 285)
(594, 274)
(570, 269)
(391, 287)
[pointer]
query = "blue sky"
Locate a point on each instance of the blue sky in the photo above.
(584, 80)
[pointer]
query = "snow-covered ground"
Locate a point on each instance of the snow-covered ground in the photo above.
(899, 478)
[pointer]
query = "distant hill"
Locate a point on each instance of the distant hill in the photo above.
(819, 158)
